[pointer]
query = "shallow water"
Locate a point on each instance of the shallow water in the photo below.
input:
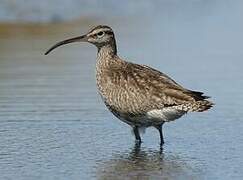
(53, 125)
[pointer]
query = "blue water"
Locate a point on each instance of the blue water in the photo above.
(53, 124)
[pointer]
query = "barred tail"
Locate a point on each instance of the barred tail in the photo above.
(197, 106)
(200, 106)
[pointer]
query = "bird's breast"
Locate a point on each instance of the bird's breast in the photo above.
(121, 96)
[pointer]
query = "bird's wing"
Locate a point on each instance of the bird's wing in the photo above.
(137, 89)
(162, 88)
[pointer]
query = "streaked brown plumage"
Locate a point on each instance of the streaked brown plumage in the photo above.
(137, 94)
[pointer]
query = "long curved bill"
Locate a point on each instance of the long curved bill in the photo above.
(67, 41)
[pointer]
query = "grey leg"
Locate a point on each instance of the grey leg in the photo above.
(136, 133)
(159, 127)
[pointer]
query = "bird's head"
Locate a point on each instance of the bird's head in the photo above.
(99, 36)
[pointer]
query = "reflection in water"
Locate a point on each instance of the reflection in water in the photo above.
(146, 164)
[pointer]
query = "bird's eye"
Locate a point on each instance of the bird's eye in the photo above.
(100, 34)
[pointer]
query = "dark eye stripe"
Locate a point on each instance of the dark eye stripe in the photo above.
(109, 32)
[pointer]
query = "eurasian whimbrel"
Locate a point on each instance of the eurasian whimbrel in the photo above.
(137, 94)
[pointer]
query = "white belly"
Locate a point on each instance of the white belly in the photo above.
(165, 114)
(151, 118)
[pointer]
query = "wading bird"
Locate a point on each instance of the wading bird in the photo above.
(137, 94)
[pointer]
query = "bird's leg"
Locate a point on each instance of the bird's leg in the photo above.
(159, 127)
(136, 133)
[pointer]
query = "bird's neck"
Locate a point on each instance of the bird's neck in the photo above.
(108, 49)
(106, 54)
